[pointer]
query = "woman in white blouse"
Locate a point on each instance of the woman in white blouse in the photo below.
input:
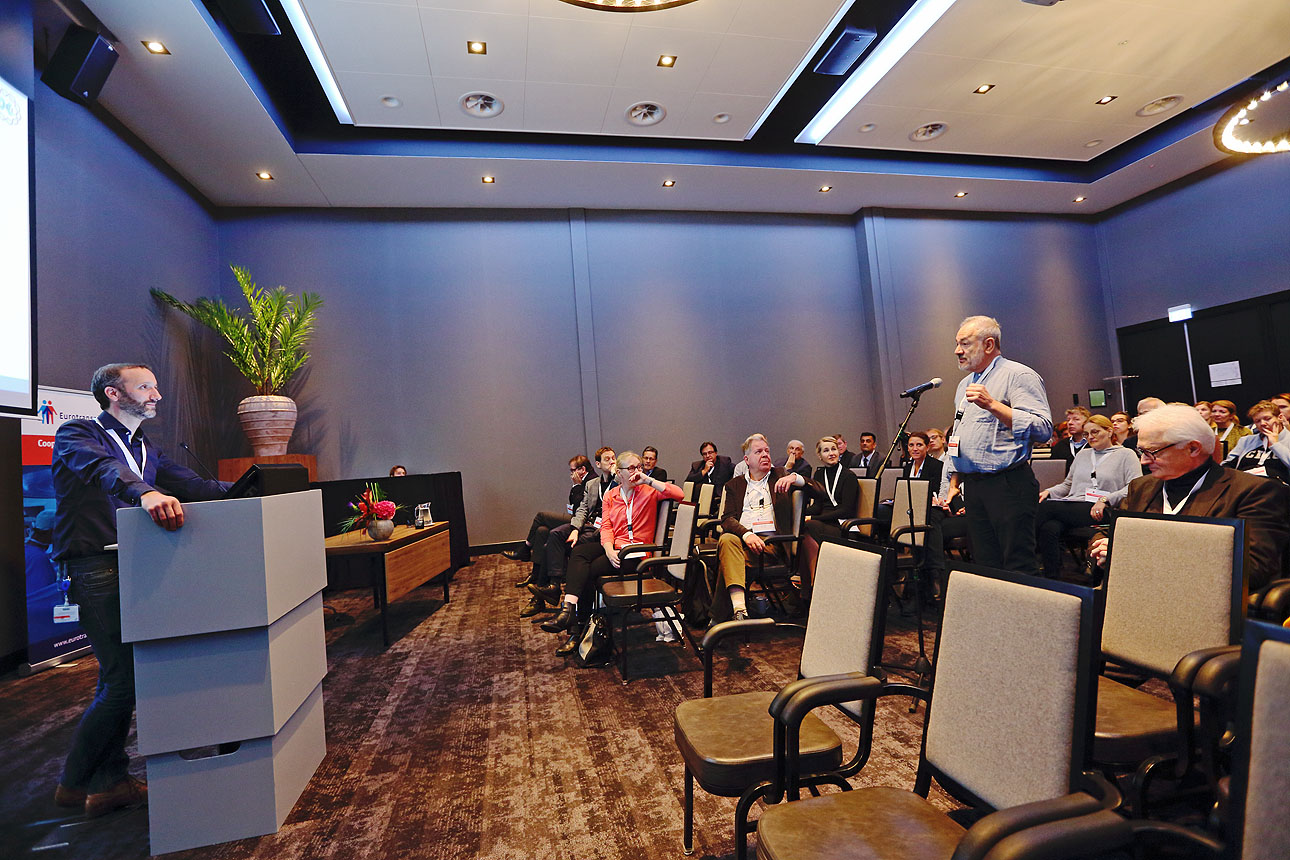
(1098, 478)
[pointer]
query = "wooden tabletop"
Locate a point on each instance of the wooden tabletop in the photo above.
(357, 542)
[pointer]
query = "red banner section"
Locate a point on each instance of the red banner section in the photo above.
(37, 450)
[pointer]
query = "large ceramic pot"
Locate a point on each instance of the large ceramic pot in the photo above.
(380, 529)
(267, 421)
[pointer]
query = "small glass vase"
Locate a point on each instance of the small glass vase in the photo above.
(380, 529)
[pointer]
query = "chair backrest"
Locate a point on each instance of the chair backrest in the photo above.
(705, 500)
(887, 483)
(866, 501)
(1261, 779)
(687, 492)
(844, 629)
(1049, 472)
(682, 540)
(1011, 716)
(799, 504)
(660, 525)
(1174, 586)
(915, 494)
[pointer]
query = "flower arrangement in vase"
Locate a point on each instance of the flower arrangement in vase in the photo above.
(373, 512)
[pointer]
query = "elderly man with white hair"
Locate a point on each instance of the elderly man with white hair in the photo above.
(1177, 445)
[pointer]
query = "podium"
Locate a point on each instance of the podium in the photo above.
(226, 619)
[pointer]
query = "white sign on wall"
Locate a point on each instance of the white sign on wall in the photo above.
(1225, 373)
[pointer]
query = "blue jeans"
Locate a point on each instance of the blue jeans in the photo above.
(97, 760)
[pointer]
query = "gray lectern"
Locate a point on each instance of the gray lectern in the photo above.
(226, 619)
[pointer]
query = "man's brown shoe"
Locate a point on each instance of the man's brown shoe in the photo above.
(72, 798)
(127, 793)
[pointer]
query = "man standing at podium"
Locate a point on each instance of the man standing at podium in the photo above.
(100, 465)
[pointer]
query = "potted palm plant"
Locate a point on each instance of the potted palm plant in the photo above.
(267, 346)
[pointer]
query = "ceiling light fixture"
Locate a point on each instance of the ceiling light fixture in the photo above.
(983, 89)
(476, 47)
(627, 5)
(391, 101)
(721, 118)
(155, 47)
(1106, 100)
(668, 183)
(1094, 143)
(867, 127)
(908, 30)
(667, 61)
(825, 189)
(960, 194)
(1079, 199)
(309, 42)
(487, 180)
(1276, 138)
(1160, 105)
(265, 175)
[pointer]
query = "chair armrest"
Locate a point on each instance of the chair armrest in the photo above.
(1184, 674)
(638, 548)
(1058, 839)
(658, 561)
(909, 530)
(709, 527)
(713, 637)
(989, 831)
(1217, 675)
(847, 525)
(1273, 601)
(800, 697)
(780, 538)
(1095, 784)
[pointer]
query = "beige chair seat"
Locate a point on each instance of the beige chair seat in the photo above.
(864, 824)
(654, 592)
(1132, 725)
(728, 742)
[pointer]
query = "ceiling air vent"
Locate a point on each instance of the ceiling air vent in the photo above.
(646, 113)
(924, 133)
(481, 105)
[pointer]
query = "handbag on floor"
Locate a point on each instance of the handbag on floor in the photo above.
(596, 645)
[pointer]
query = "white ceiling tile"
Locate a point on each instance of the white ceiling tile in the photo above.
(639, 67)
(972, 27)
(958, 92)
(917, 79)
(800, 19)
(752, 65)
(743, 112)
(418, 106)
(448, 93)
(447, 33)
(571, 108)
(501, 7)
(369, 37)
(575, 52)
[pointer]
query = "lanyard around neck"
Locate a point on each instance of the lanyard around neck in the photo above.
(829, 489)
(135, 466)
(627, 502)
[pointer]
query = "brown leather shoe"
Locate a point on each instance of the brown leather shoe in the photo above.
(72, 798)
(126, 794)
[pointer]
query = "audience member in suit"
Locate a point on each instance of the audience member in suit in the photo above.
(936, 449)
(629, 515)
(544, 585)
(1098, 479)
(1177, 445)
(649, 459)
(795, 459)
(713, 469)
(755, 504)
(1267, 452)
(1073, 442)
(840, 501)
(868, 458)
(846, 458)
(1228, 428)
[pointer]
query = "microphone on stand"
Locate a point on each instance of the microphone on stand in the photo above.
(197, 460)
(919, 389)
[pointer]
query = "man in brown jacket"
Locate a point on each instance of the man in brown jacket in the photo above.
(1177, 445)
(759, 503)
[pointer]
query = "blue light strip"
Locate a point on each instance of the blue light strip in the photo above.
(305, 32)
(792, 79)
(908, 30)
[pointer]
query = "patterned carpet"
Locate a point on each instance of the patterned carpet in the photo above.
(467, 738)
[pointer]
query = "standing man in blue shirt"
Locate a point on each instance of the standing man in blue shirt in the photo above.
(101, 465)
(1002, 410)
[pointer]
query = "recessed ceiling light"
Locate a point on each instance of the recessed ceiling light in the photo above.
(721, 118)
(668, 183)
(667, 61)
(487, 180)
(1094, 143)
(825, 189)
(867, 127)
(476, 47)
(960, 194)
(391, 101)
(983, 89)
(155, 47)
(1106, 100)
(1079, 199)
(265, 175)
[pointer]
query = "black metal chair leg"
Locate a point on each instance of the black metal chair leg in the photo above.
(687, 836)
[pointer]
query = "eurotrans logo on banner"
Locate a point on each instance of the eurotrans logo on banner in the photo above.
(56, 405)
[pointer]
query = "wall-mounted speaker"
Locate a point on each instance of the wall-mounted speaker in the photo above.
(80, 65)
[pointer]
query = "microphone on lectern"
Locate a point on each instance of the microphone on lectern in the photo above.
(919, 389)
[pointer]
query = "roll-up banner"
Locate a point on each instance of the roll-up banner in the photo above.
(48, 642)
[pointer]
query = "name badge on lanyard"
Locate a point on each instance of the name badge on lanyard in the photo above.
(134, 465)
